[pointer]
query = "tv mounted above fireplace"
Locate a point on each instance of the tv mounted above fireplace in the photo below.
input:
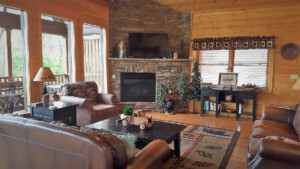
(148, 45)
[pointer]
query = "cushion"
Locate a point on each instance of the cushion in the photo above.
(87, 90)
(262, 132)
(283, 139)
(273, 125)
(296, 122)
(102, 107)
(127, 139)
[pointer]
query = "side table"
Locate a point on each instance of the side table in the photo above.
(170, 102)
(63, 112)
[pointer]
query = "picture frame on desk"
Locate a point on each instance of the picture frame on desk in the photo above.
(228, 79)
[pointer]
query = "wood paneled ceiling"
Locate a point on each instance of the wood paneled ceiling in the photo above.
(217, 5)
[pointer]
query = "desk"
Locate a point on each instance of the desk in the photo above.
(220, 94)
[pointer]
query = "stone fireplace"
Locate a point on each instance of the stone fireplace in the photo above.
(166, 71)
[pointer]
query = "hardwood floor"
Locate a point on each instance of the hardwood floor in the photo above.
(238, 157)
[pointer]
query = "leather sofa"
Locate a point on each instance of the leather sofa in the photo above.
(274, 142)
(92, 106)
(32, 144)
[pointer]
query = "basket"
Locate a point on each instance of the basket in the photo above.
(249, 88)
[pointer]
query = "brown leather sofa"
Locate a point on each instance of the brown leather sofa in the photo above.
(92, 106)
(32, 144)
(274, 142)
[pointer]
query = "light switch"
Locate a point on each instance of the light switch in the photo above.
(294, 76)
(113, 76)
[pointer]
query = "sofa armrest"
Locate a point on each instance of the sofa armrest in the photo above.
(107, 99)
(150, 157)
(280, 150)
(278, 114)
(73, 99)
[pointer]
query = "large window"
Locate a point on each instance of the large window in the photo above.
(55, 40)
(12, 57)
(94, 42)
(251, 65)
(212, 63)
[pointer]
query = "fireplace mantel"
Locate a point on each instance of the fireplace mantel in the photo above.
(140, 59)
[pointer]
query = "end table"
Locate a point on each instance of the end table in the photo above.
(63, 112)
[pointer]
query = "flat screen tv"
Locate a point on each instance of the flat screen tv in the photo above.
(147, 45)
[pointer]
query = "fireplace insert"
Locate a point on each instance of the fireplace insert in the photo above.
(138, 87)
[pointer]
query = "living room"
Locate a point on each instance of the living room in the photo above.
(210, 33)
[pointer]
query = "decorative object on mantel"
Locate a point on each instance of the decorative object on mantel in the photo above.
(114, 51)
(122, 49)
(175, 55)
(246, 42)
(170, 53)
(289, 51)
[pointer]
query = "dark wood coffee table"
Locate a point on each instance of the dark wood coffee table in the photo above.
(160, 130)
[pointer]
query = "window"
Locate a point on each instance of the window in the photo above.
(55, 47)
(213, 62)
(13, 37)
(94, 42)
(251, 65)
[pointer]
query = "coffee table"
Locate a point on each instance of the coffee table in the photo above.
(159, 130)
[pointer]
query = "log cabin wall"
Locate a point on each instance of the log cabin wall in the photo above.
(78, 11)
(283, 22)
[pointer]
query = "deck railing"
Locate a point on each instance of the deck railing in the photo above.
(11, 91)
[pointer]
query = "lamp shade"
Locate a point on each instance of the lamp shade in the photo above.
(297, 85)
(44, 75)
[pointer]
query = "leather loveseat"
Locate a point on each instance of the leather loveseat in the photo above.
(92, 106)
(274, 142)
(32, 144)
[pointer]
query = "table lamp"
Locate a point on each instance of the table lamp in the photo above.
(44, 75)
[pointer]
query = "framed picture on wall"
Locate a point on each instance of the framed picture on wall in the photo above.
(228, 79)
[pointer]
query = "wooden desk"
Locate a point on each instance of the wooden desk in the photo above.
(237, 95)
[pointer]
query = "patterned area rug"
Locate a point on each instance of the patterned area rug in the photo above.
(203, 148)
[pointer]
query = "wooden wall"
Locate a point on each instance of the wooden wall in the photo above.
(283, 22)
(79, 11)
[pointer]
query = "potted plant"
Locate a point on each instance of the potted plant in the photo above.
(195, 86)
(128, 111)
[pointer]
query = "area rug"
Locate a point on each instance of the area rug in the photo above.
(203, 148)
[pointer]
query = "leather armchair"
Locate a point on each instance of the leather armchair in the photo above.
(274, 142)
(92, 106)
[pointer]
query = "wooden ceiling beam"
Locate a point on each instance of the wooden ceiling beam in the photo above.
(215, 5)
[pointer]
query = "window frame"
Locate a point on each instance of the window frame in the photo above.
(269, 72)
